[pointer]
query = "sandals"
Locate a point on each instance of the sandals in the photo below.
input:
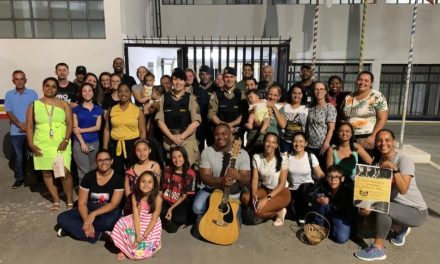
(280, 217)
(55, 207)
(69, 206)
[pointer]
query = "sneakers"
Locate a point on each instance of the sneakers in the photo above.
(17, 184)
(371, 253)
(61, 233)
(399, 239)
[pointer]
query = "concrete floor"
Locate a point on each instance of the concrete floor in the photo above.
(27, 234)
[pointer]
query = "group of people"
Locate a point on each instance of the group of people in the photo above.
(148, 157)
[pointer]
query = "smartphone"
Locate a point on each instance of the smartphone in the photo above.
(91, 148)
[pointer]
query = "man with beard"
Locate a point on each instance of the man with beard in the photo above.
(248, 73)
(68, 91)
(80, 74)
(118, 67)
(307, 84)
(211, 165)
(267, 80)
(205, 75)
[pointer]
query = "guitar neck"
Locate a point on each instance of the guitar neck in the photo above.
(227, 190)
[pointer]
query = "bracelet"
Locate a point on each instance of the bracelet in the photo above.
(66, 140)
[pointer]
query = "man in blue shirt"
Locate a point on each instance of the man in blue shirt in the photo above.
(16, 103)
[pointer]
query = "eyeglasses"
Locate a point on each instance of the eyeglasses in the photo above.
(103, 160)
(334, 178)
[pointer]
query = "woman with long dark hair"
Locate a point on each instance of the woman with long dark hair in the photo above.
(366, 110)
(407, 207)
(99, 198)
(296, 116)
(87, 118)
(177, 184)
(269, 169)
(346, 153)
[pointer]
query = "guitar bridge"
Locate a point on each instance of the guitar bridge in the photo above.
(220, 223)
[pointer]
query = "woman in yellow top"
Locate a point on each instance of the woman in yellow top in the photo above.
(124, 125)
(53, 126)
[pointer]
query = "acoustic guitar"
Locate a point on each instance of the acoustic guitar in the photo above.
(220, 224)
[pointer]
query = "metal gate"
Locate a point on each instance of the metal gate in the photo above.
(219, 53)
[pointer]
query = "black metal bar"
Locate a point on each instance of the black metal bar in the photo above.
(270, 56)
(261, 61)
(252, 55)
(211, 61)
(203, 53)
(227, 55)
(220, 47)
(195, 58)
(235, 58)
(244, 54)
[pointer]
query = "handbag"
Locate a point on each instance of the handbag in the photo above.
(58, 166)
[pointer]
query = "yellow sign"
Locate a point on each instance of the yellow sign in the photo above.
(372, 189)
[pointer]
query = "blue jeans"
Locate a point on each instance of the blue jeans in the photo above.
(285, 146)
(201, 202)
(19, 143)
(339, 224)
(71, 222)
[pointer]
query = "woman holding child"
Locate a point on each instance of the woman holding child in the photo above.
(277, 119)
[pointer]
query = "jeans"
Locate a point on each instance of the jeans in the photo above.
(201, 203)
(71, 222)
(285, 146)
(339, 224)
(19, 143)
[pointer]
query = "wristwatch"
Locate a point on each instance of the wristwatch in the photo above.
(396, 171)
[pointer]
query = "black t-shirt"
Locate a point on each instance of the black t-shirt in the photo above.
(309, 98)
(101, 195)
(128, 80)
(69, 93)
(108, 102)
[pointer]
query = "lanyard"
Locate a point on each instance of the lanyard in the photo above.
(50, 116)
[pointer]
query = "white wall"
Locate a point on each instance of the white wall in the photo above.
(387, 40)
(38, 57)
(141, 56)
(387, 35)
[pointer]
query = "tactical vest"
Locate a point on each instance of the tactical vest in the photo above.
(228, 109)
(177, 115)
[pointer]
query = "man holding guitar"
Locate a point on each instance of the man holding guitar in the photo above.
(217, 173)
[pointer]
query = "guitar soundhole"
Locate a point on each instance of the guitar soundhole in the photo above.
(223, 208)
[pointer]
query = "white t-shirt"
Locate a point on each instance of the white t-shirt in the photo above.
(300, 171)
(267, 173)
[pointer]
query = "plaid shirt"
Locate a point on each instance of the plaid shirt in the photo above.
(173, 184)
